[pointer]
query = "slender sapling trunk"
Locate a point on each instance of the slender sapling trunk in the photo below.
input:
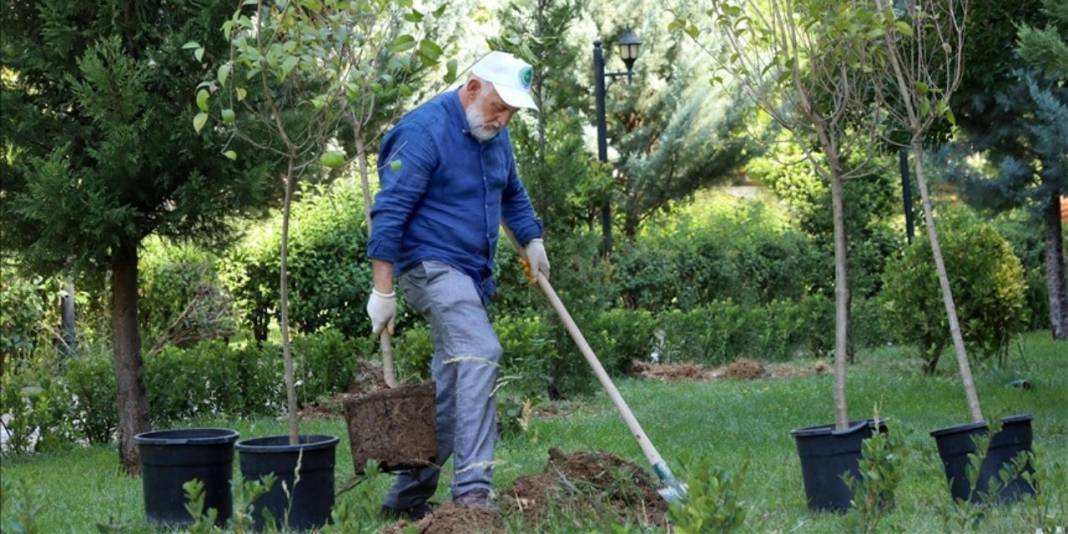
(287, 353)
(947, 294)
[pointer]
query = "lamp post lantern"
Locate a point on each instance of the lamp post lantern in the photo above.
(628, 45)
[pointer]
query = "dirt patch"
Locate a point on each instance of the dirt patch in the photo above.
(598, 484)
(452, 519)
(671, 371)
(745, 369)
(794, 370)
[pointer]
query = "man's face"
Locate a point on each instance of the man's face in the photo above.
(487, 114)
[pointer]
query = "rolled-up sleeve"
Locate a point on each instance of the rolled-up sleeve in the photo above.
(406, 161)
(516, 209)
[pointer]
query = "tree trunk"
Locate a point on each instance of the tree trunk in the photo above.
(947, 293)
(1054, 256)
(126, 344)
(841, 294)
(287, 353)
(539, 82)
(365, 181)
(69, 333)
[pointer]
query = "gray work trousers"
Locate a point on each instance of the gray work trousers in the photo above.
(466, 357)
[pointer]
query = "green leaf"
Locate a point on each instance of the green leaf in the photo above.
(241, 93)
(191, 45)
(943, 111)
(677, 24)
(430, 49)
(402, 44)
(395, 165)
(332, 159)
(202, 99)
(228, 116)
(230, 155)
(414, 16)
(199, 121)
(925, 107)
(450, 72)
(921, 89)
(441, 10)
(288, 65)
(903, 28)
(313, 5)
(224, 73)
(199, 54)
(693, 31)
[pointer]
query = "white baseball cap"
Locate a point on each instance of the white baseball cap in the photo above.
(510, 76)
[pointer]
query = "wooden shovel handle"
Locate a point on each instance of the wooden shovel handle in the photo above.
(598, 370)
(386, 347)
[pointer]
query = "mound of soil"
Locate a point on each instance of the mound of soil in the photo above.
(452, 519)
(670, 371)
(597, 484)
(746, 369)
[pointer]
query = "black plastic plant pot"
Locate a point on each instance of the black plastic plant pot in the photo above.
(826, 455)
(311, 498)
(955, 443)
(170, 458)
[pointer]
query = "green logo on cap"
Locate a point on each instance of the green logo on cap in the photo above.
(526, 76)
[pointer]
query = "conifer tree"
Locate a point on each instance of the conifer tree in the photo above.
(1014, 107)
(97, 153)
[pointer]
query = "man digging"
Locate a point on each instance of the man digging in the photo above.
(448, 178)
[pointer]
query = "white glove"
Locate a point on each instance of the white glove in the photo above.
(539, 261)
(381, 308)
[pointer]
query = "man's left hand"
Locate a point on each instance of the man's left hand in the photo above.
(539, 261)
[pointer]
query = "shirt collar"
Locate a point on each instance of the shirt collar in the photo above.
(456, 110)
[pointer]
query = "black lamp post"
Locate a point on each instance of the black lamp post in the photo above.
(628, 46)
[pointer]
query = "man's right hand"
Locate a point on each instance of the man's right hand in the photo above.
(381, 308)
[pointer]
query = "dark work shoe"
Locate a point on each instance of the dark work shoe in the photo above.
(412, 513)
(476, 498)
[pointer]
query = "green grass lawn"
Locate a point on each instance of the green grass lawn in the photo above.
(730, 422)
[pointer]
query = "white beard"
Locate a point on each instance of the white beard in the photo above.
(476, 121)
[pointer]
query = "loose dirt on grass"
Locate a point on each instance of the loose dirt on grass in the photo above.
(597, 484)
(671, 371)
(452, 519)
(743, 369)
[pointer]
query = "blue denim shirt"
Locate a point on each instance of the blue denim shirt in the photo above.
(443, 194)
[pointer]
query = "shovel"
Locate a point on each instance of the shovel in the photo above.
(674, 491)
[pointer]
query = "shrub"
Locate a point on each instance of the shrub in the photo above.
(326, 362)
(214, 378)
(91, 381)
(412, 352)
(329, 273)
(37, 410)
(621, 336)
(988, 289)
(182, 301)
(529, 351)
(24, 306)
(746, 256)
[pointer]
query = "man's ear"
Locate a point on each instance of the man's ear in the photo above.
(473, 86)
